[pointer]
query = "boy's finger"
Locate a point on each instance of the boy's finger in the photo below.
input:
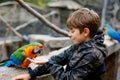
(30, 60)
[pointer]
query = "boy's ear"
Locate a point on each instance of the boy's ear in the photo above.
(86, 31)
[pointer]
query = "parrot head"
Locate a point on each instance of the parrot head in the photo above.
(107, 27)
(38, 49)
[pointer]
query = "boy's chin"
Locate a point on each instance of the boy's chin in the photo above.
(76, 43)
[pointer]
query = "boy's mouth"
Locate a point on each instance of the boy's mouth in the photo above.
(72, 39)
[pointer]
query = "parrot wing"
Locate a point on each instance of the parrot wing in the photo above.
(114, 34)
(18, 57)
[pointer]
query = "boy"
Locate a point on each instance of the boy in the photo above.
(84, 60)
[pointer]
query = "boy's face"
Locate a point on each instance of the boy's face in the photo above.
(78, 37)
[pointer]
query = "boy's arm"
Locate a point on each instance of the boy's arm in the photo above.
(63, 57)
(22, 77)
(82, 69)
(57, 72)
(60, 59)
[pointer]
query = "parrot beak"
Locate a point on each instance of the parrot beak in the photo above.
(41, 47)
(106, 29)
(38, 49)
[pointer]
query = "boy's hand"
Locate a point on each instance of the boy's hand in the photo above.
(22, 77)
(36, 62)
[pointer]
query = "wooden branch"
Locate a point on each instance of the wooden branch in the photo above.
(103, 14)
(50, 14)
(24, 38)
(7, 3)
(10, 27)
(25, 24)
(33, 20)
(42, 18)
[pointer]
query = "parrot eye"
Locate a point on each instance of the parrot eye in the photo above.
(37, 50)
(40, 51)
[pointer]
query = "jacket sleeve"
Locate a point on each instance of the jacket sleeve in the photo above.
(86, 65)
(60, 59)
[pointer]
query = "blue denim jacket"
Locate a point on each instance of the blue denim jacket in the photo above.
(83, 62)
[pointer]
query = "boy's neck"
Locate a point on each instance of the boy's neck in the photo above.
(87, 39)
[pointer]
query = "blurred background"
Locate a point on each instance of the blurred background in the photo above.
(56, 11)
(18, 26)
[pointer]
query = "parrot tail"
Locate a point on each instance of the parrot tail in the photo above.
(119, 40)
(7, 63)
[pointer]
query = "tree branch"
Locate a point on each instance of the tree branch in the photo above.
(10, 27)
(34, 20)
(24, 38)
(42, 18)
(25, 24)
(103, 14)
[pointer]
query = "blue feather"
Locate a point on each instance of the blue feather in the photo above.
(8, 63)
(112, 33)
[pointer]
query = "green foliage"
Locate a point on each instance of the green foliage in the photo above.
(41, 3)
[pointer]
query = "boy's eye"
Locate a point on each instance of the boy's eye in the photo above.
(72, 31)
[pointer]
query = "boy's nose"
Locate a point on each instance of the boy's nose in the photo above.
(69, 34)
